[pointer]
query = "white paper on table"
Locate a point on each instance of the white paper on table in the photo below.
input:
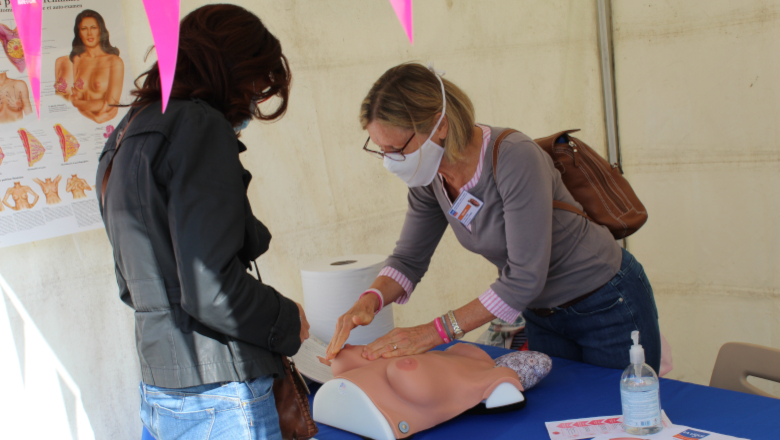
(588, 428)
(674, 432)
(307, 362)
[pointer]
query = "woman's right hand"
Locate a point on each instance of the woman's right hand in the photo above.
(362, 313)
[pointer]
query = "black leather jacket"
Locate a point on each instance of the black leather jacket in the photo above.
(183, 233)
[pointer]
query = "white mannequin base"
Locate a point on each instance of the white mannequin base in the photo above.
(342, 404)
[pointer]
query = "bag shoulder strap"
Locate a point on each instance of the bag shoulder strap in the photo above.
(556, 204)
(110, 165)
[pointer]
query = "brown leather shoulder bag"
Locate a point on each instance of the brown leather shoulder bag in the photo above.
(605, 195)
(292, 404)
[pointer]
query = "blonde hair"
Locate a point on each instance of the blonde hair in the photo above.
(409, 96)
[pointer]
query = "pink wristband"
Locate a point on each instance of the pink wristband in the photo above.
(442, 333)
(378, 294)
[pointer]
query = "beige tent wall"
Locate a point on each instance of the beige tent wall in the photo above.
(698, 110)
(682, 89)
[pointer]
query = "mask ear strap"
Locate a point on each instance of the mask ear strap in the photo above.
(438, 74)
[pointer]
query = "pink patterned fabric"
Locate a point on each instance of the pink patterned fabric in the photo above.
(530, 366)
(497, 306)
(400, 279)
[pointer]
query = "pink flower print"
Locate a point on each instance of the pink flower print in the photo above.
(109, 130)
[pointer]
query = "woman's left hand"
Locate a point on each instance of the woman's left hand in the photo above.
(403, 342)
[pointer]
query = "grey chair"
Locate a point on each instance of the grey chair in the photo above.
(738, 360)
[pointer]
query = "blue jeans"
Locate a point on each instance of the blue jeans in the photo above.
(228, 410)
(598, 329)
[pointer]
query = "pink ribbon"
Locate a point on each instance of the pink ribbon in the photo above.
(403, 10)
(27, 14)
(164, 20)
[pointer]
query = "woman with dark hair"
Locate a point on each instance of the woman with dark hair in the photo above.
(91, 76)
(209, 335)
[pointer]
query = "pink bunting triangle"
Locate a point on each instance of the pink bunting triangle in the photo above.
(163, 18)
(403, 10)
(27, 14)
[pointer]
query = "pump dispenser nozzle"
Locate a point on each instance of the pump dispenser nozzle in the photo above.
(636, 353)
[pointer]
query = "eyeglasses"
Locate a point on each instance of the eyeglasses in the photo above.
(395, 154)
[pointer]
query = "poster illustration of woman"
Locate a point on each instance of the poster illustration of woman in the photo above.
(91, 76)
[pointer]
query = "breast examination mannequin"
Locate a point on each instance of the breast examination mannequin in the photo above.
(412, 393)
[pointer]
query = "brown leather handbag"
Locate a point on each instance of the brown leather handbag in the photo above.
(605, 195)
(292, 404)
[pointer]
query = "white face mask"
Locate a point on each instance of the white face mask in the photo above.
(419, 168)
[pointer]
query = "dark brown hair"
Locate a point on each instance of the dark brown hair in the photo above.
(226, 58)
(78, 45)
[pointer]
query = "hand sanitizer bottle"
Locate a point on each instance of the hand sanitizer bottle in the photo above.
(639, 394)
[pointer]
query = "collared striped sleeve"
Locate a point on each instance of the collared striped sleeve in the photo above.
(497, 306)
(400, 279)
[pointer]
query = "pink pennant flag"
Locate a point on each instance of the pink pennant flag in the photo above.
(164, 20)
(403, 9)
(27, 14)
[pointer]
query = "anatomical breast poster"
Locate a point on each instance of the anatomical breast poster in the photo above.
(47, 166)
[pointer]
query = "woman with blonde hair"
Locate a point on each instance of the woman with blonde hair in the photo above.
(580, 293)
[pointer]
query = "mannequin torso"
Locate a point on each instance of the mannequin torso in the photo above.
(426, 389)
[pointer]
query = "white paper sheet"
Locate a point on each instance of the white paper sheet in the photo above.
(588, 428)
(307, 362)
(674, 432)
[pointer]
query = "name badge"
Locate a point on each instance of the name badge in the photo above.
(465, 208)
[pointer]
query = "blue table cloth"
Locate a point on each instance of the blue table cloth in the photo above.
(574, 390)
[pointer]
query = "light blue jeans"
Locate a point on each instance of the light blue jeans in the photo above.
(228, 410)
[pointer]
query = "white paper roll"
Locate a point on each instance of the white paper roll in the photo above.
(331, 286)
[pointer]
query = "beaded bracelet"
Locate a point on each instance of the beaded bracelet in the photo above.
(455, 327)
(379, 294)
(440, 330)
